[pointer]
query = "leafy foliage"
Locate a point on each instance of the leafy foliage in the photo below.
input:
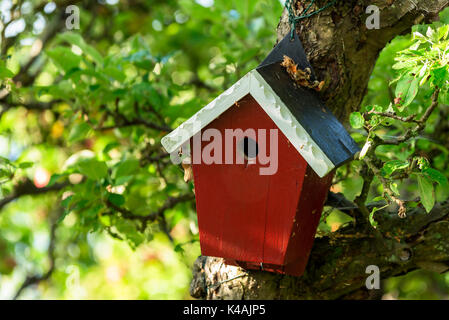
(83, 112)
(399, 129)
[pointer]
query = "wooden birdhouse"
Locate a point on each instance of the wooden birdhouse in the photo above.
(263, 155)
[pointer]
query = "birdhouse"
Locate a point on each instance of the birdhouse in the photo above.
(263, 155)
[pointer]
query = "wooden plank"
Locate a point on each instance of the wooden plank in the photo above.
(243, 215)
(282, 201)
(308, 216)
(249, 218)
(231, 198)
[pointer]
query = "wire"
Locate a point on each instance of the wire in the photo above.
(293, 19)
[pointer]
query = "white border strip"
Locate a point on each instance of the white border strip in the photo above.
(289, 125)
(175, 139)
(254, 84)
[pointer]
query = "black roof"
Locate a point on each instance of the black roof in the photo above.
(292, 48)
(305, 105)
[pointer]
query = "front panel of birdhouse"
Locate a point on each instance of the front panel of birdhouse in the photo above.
(250, 218)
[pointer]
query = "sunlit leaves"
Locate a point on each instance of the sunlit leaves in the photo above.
(113, 70)
(64, 58)
(8, 169)
(407, 90)
(77, 40)
(116, 199)
(4, 71)
(406, 64)
(126, 168)
(128, 228)
(443, 32)
(79, 132)
(356, 120)
(427, 57)
(93, 169)
(426, 192)
(142, 59)
(25, 165)
(421, 68)
(440, 76)
(115, 73)
(371, 217)
(436, 176)
(395, 188)
(394, 165)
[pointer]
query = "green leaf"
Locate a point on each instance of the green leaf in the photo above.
(394, 188)
(116, 199)
(407, 89)
(430, 32)
(392, 166)
(126, 168)
(436, 176)
(178, 248)
(356, 120)
(79, 132)
(77, 40)
(66, 204)
(142, 58)
(375, 108)
(25, 165)
(371, 217)
(54, 178)
(4, 173)
(5, 73)
(375, 120)
(426, 192)
(64, 58)
(378, 198)
(404, 64)
(440, 76)
(444, 97)
(122, 180)
(443, 32)
(110, 146)
(6, 161)
(93, 169)
(115, 73)
(418, 35)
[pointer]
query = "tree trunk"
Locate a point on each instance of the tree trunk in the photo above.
(337, 265)
(343, 52)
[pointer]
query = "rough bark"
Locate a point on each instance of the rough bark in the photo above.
(337, 265)
(343, 52)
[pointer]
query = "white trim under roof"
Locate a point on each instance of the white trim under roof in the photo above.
(253, 83)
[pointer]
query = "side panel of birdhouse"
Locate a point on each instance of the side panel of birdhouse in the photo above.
(304, 225)
(308, 214)
(243, 215)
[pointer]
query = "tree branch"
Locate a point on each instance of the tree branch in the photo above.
(31, 280)
(343, 53)
(27, 187)
(170, 203)
(420, 124)
(338, 263)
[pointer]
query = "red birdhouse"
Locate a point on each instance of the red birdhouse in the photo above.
(263, 155)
